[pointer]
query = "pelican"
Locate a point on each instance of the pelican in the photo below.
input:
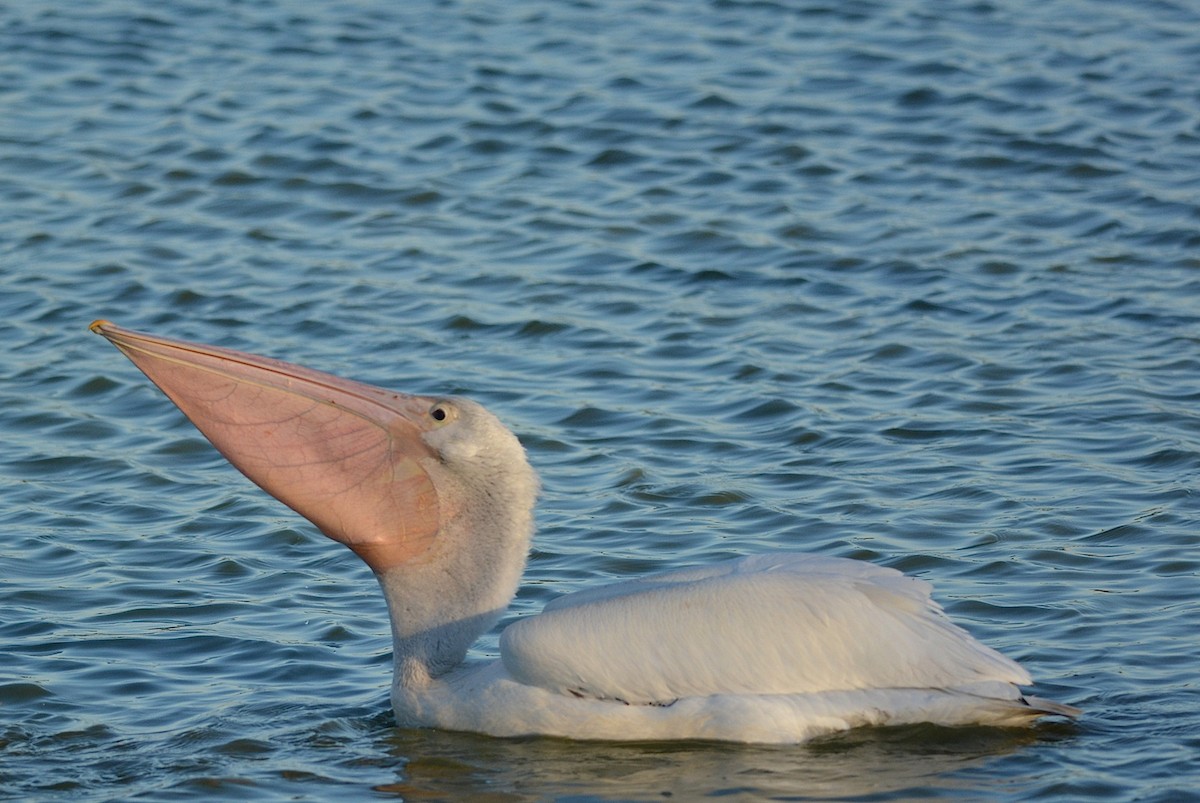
(436, 496)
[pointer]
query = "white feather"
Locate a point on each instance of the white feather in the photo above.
(764, 624)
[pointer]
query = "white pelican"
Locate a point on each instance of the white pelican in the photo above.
(436, 495)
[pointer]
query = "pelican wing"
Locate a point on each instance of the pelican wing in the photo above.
(765, 624)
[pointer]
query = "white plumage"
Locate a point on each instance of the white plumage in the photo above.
(776, 647)
(763, 624)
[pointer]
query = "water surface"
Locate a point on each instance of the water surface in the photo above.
(906, 283)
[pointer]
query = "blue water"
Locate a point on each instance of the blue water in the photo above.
(907, 282)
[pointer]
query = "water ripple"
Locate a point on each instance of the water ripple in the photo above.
(911, 285)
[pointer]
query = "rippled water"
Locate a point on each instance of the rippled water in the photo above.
(914, 283)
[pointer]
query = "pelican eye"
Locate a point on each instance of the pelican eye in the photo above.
(441, 412)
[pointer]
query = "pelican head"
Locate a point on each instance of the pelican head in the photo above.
(433, 493)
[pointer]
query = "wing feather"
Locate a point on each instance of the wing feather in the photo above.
(764, 624)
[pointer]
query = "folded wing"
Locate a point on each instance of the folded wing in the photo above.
(765, 624)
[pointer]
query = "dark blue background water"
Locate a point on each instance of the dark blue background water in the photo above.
(907, 282)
